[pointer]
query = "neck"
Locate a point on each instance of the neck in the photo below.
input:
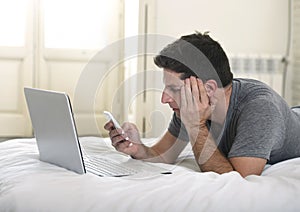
(223, 101)
(228, 91)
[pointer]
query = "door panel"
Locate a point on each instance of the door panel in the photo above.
(16, 66)
(14, 75)
(48, 46)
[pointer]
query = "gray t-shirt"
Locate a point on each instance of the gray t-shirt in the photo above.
(259, 123)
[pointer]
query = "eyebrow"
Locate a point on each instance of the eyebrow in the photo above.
(174, 86)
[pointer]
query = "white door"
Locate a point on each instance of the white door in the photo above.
(152, 116)
(16, 66)
(48, 44)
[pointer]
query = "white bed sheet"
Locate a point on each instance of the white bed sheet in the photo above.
(27, 184)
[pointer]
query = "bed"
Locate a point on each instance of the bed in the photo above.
(27, 184)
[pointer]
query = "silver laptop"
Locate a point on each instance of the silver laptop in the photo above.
(58, 143)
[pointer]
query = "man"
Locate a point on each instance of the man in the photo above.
(232, 124)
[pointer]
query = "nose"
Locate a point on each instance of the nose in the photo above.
(165, 98)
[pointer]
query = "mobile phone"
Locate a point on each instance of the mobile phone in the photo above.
(110, 117)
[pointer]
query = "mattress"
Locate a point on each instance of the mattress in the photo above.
(28, 184)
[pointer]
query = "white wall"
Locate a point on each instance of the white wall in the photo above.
(241, 26)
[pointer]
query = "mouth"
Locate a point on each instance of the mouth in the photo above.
(176, 111)
(174, 107)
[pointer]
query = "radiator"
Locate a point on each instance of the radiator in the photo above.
(266, 68)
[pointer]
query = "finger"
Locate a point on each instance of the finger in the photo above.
(109, 126)
(188, 92)
(121, 146)
(182, 97)
(117, 140)
(195, 90)
(116, 132)
(203, 95)
(127, 126)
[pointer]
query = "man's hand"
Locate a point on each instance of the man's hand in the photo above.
(127, 140)
(195, 110)
(194, 106)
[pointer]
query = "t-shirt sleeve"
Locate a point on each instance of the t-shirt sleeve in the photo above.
(260, 128)
(177, 129)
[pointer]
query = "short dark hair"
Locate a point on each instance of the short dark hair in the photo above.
(196, 55)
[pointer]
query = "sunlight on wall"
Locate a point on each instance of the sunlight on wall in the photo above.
(82, 28)
(12, 22)
(130, 65)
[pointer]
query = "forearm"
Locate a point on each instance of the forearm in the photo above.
(206, 153)
(166, 150)
(150, 154)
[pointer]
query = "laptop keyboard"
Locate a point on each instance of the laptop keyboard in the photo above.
(106, 167)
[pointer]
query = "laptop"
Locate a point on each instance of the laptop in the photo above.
(55, 131)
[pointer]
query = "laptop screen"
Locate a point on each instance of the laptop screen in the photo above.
(54, 128)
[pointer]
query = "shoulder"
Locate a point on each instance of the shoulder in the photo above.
(254, 101)
(251, 87)
(254, 93)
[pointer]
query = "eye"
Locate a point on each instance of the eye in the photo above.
(175, 89)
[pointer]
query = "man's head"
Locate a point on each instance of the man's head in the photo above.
(196, 55)
(193, 55)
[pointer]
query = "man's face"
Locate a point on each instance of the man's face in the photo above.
(171, 93)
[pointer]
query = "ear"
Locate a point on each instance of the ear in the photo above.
(211, 86)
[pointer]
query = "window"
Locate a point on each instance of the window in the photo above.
(13, 16)
(80, 24)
